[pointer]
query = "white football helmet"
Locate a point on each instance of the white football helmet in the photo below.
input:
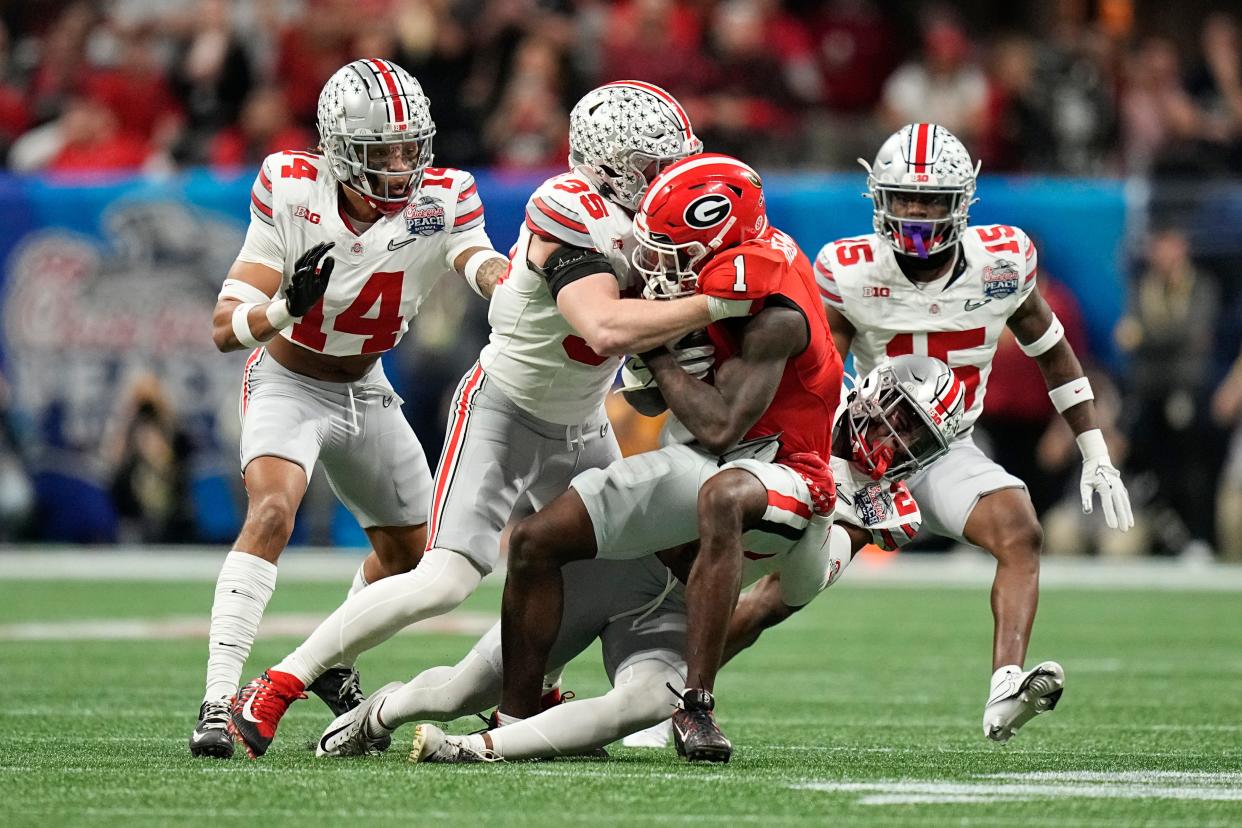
(375, 130)
(926, 163)
(623, 134)
(901, 417)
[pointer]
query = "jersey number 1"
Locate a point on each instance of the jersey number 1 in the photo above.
(381, 330)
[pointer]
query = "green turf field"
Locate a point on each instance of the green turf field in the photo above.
(864, 709)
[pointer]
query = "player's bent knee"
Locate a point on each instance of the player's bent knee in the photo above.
(270, 516)
(530, 547)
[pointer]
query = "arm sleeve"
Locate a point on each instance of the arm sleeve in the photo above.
(551, 218)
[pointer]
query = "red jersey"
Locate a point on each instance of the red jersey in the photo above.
(762, 270)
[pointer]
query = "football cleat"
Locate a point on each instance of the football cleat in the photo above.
(695, 732)
(656, 736)
(211, 736)
(258, 708)
(341, 690)
(1018, 697)
(354, 733)
(431, 744)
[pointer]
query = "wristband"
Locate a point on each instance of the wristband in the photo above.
(1054, 334)
(718, 308)
(1091, 444)
(241, 325)
(476, 261)
(1071, 394)
(278, 315)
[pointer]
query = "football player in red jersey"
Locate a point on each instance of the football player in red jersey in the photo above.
(751, 468)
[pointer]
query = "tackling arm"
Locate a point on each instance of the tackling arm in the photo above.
(591, 302)
(720, 414)
(763, 607)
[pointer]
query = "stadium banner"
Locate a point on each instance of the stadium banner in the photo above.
(109, 283)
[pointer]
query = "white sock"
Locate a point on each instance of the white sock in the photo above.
(440, 582)
(243, 588)
(638, 700)
(359, 583)
(442, 694)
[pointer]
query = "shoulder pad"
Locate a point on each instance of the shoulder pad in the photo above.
(745, 272)
(555, 212)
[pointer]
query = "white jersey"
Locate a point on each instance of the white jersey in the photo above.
(959, 321)
(383, 272)
(534, 355)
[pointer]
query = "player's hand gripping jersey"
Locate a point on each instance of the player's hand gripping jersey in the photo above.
(383, 272)
(770, 270)
(959, 322)
(534, 356)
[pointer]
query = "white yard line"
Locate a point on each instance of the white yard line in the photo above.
(298, 625)
(1010, 787)
(317, 564)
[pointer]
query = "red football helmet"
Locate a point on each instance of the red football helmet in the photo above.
(693, 210)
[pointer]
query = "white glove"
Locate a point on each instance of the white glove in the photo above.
(1100, 475)
(1015, 697)
(696, 361)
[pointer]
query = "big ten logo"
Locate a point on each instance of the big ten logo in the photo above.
(876, 292)
(303, 212)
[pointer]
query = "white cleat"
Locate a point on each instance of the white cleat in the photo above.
(431, 744)
(353, 733)
(656, 736)
(1018, 697)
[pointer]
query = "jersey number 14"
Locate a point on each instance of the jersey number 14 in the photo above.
(380, 330)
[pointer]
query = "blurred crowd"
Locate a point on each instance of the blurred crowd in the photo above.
(1069, 86)
(1072, 87)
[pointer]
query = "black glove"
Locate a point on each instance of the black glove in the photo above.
(310, 279)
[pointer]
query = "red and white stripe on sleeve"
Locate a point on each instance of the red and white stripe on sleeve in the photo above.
(827, 283)
(550, 218)
(261, 195)
(469, 214)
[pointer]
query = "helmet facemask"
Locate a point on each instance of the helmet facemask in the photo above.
(387, 169)
(891, 436)
(947, 211)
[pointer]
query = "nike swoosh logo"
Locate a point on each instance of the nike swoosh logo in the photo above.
(681, 734)
(246, 710)
(393, 244)
(323, 741)
(973, 305)
(198, 737)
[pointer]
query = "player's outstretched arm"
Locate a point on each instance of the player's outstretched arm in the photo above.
(718, 415)
(481, 267)
(1041, 336)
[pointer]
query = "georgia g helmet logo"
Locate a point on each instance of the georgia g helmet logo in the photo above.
(707, 211)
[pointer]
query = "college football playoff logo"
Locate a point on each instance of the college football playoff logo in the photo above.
(708, 211)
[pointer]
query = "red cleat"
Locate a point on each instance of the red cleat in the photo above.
(258, 707)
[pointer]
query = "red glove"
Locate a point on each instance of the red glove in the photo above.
(818, 477)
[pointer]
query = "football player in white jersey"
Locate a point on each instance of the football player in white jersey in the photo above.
(925, 282)
(637, 608)
(343, 246)
(530, 415)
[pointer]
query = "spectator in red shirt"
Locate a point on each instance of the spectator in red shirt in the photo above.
(657, 41)
(135, 90)
(93, 141)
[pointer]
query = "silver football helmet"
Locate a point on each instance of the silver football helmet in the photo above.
(375, 130)
(901, 417)
(926, 164)
(623, 134)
